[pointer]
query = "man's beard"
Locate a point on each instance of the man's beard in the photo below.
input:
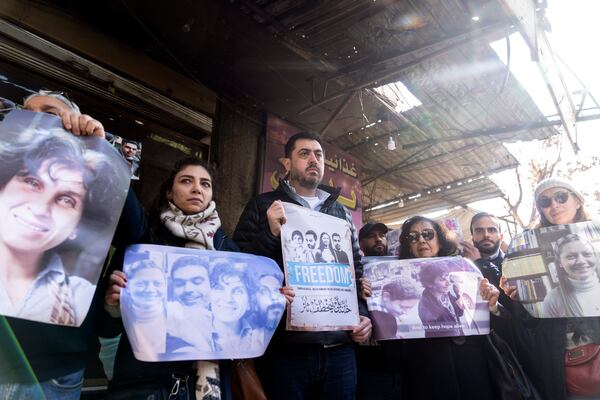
(308, 183)
(488, 251)
(373, 252)
(271, 323)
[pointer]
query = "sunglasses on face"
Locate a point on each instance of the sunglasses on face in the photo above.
(427, 234)
(559, 198)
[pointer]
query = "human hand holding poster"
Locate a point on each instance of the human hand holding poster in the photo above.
(556, 270)
(60, 202)
(425, 297)
(318, 261)
(189, 304)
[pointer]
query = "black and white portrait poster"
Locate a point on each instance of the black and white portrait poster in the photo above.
(131, 151)
(189, 304)
(425, 297)
(60, 200)
(556, 270)
(317, 255)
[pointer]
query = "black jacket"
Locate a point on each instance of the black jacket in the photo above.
(253, 236)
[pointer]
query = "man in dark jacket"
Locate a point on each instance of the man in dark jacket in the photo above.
(302, 365)
(487, 237)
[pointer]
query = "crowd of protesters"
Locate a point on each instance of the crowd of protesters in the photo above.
(301, 364)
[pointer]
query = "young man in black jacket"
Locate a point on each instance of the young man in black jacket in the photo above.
(302, 365)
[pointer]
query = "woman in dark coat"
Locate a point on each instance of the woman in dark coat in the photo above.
(184, 214)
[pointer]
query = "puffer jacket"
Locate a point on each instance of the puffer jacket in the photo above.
(253, 235)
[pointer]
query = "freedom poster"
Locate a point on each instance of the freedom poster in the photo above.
(318, 261)
(556, 270)
(60, 200)
(341, 169)
(425, 298)
(190, 304)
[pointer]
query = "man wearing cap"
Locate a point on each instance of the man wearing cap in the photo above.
(374, 379)
(372, 239)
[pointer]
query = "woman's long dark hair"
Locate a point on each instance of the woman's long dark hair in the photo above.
(447, 246)
(161, 202)
(322, 245)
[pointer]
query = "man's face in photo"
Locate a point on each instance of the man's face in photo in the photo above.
(129, 150)
(486, 236)
(311, 241)
(191, 285)
(297, 239)
(337, 242)
(269, 301)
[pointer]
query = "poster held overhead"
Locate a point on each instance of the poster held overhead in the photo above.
(321, 272)
(61, 197)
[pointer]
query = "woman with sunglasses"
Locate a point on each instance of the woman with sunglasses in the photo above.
(543, 344)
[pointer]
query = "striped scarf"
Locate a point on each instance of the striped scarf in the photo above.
(60, 294)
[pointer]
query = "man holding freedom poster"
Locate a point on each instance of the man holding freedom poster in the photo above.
(302, 365)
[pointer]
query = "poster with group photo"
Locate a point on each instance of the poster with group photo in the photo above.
(556, 270)
(425, 297)
(190, 304)
(60, 202)
(317, 255)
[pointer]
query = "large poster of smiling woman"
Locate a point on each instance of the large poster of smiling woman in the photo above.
(189, 304)
(60, 200)
(556, 270)
(318, 262)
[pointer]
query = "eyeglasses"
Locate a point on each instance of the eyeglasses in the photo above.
(427, 234)
(559, 197)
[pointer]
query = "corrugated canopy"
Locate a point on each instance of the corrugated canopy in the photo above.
(319, 63)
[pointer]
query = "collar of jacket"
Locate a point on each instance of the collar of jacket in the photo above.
(334, 193)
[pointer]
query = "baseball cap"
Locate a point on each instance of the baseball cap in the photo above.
(370, 227)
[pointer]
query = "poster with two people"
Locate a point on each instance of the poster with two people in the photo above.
(425, 297)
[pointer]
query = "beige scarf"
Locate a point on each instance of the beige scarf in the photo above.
(197, 229)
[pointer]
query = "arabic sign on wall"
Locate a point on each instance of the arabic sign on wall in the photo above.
(341, 169)
(190, 304)
(556, 270)
(425, 297)
(317, 255)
